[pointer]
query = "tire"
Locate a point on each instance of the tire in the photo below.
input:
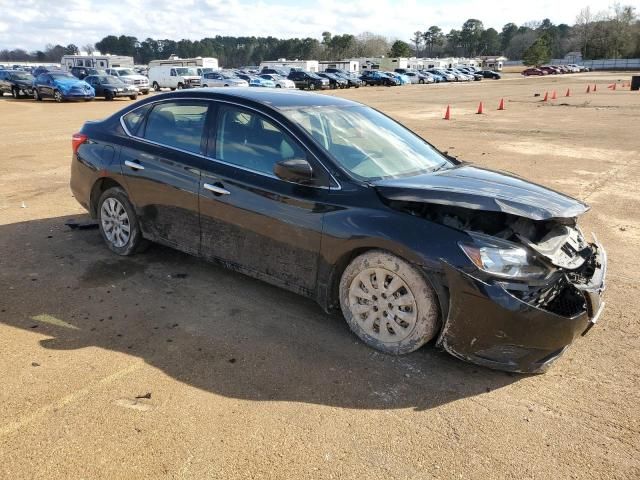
(180, 86)
(205, 86)
(312, 86)
(133, 97)
(113, 203)
(108, 96)
(57, 96)
(278, 86)
(156, 87)
(421, 81)
(404, 308)
(36, 95)
(15, 93)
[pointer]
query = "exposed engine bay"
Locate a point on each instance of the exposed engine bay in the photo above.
(557, 243)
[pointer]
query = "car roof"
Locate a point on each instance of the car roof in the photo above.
(274, 98)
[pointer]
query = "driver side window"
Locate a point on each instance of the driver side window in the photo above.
(252, 141)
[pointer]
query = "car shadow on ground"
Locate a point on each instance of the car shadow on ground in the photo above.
(211, 328)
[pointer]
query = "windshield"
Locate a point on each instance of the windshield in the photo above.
(126, 71)
(313, 75)
(367, 143)
(107, 79)
(61, 75)
(21, 76)
(186, 71)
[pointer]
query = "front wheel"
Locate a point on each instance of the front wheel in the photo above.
(278, 86)
(36, 95)
(108, 95)
(57, 96)
(118, 222)
(15, 92)
(388, 303)
(180, 86)
(133, 97)
(156, 87)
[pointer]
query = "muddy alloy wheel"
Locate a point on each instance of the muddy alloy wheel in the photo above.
(57, 96)
(118, 223)
(388, 303)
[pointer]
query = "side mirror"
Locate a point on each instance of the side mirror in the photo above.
(296, 170)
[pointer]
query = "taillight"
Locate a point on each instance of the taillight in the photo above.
(78, 139)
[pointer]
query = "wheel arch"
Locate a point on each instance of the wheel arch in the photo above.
(331, 301)
(99, 187)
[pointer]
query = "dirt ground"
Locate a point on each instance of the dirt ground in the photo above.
(163, 366)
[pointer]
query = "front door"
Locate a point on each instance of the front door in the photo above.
(160, 166)
(251, 219)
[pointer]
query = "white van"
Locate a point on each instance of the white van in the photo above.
(164, 76)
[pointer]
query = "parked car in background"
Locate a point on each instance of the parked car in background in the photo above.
(533, 72)
(352, 79)
(491, 74)
(79, 72)
(378, 78)
(61, 86)
(437, 78)
(45, 69)
(283, 72)
(18, 84)
(580, 68)
(470, 71)
(336, 201)
(308, 80)
(550, 70)
(175, 78)
(222, 79)
(335, 81)
(111, 87)
(130, 76)
(400, 77)
(448, 77)
(257, 81)
(279, 80)
(418, 77)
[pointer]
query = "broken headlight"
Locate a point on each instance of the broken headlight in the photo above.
(503, 259)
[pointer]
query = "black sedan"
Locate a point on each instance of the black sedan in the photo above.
(491, 74)
(18, 84)
(111, 87)
(336, 201)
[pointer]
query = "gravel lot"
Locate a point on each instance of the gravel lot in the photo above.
(163, 366)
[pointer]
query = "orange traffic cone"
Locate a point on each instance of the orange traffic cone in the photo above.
(568, 94)
(588, 88)
(546, 96)
(447, 114)
(553, 95)
(501, 106)
(480, 109)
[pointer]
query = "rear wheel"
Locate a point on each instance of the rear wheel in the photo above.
(118, 223)
(156, 87)
(180, 86)
(133, 97)
(388, 303)
(108, 95)
(57, 96)
(278, 86)
(36, 95)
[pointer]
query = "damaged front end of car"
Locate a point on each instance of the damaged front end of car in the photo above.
(533, 283)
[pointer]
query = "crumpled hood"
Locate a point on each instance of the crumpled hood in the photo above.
(66, 84)
(482, 189)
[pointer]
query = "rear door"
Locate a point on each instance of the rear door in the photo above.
(251, 219)
(161, 168)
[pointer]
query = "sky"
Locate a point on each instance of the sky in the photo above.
(31, 24)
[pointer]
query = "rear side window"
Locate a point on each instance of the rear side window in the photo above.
(133, 120)
(177, 124)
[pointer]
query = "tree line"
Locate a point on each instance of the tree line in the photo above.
(611, 34)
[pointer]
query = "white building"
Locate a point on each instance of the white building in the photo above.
(493, 62)
(351, 66)
(306, 65)
(96, 61)
(381, 63)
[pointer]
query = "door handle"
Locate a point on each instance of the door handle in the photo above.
(216, 189)
(134, 165)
